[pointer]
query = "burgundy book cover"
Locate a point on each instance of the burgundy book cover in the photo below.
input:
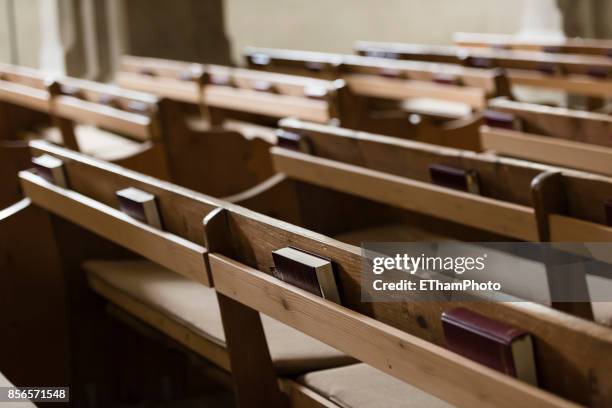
(288, 140)
(446, 79)
(314, 66)
(479, 62)
(132, 208)
(390, 73)
(498, 119)
(296, 274)
(598, 72)
(549, 68)
(454, 178)
(484, 340)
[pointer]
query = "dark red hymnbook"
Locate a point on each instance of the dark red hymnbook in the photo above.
(490, 342)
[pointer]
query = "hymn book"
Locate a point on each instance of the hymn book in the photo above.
(51, 169)
(502, 120)
(458, 179)
(306, 271)
(139, 205)
(492, 343)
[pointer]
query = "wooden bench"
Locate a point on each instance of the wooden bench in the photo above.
(405, 345)
(444, 96)
(583, 75)
(398, 173)
(587, 46)
(238, 243)
(162, 288)
(148, 134)
(225, 94)
(558, 136)
(24, 100)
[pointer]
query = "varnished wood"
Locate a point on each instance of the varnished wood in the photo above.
(564, 364)
(166, 249)
(249, 359)
(570, 73)
(549, 198)
(14, 157)
(587, 46)
(36, 347)
(429, 367)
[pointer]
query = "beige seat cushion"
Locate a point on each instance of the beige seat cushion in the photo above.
(360, 385)
(196, 306)
(95, 142)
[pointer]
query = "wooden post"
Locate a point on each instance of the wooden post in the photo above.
(549, 198)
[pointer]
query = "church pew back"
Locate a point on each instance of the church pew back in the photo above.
(587, 46)
(575, 74)
(179, 246)
(234, 89)
(241, 272)
(559, 136)
(378, 77)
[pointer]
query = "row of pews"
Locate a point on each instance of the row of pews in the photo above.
(313, 151)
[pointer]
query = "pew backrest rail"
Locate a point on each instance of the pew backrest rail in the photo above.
(179, 245)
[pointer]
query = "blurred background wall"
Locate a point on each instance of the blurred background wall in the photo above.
(333, 25)
(85, 37)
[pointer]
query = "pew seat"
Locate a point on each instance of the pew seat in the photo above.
(361, 385)
(195, 306)
(94, 141)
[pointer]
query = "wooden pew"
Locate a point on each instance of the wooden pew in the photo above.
(178, 249)
(241, 242)
(445, 96)
(226, 94)
(558, 136)
(407, 346)
(24, 100)
(447, 82)
(147, 134)
(398, 173)
(587, 46)
(194, 155)
(583, 75)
